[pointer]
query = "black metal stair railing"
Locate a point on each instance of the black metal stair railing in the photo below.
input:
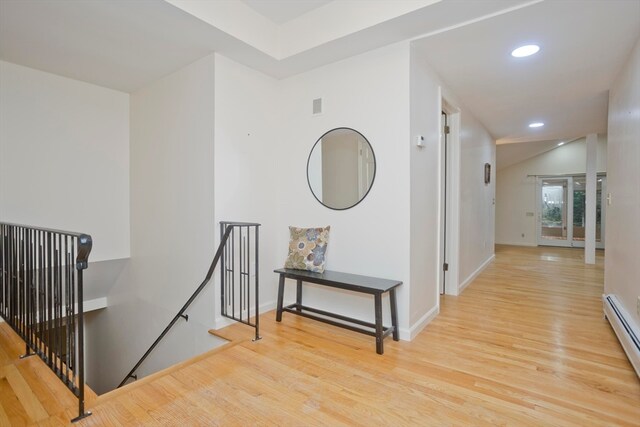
(234, 248)
(239, 275)
(41, 297)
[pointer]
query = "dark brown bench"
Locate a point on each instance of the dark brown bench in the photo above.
(351, 282)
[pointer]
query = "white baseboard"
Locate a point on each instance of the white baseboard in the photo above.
(222, 322)
(406, 334)
(475, 274)
(626, 330)
(531, 245)
(410, 333)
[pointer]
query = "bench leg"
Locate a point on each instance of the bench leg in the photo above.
(280, 298)
(299, 295)
(394, 314)
(379, 329)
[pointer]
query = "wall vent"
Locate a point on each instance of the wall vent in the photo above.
(317, 106)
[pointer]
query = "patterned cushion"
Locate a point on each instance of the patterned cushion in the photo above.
(307, 248)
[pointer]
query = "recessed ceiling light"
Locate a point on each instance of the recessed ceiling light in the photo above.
(523, 51)
(536, 125)
(560, 143)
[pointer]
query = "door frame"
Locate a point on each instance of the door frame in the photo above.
(452, 218)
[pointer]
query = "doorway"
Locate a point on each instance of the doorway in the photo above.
(449, 199)
(444, 131)
(562, 213)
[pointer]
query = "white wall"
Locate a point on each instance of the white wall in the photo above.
(476, 147)
(516, 192)
(477, 207)
(247, 130)
(425, 182)
(64, 157)
(172, 227)
(369, 93)
(622, 270)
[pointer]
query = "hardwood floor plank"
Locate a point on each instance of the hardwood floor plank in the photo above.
(524, 345)
(24, 394)
(4, 418)
(11, 406)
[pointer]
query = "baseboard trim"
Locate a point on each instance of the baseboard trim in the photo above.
(408, 334)
(529, 245)
(222, 322)
(625, 329)
(475, 274)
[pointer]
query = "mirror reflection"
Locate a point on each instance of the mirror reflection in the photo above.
(341, 168)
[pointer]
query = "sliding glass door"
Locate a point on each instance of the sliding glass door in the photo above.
(554, 212)
(562, 211)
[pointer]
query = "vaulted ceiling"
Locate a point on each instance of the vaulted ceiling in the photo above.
(125, 44)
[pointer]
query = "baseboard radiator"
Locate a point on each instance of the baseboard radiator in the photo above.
(627, 333)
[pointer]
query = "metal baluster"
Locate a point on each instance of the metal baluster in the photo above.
(257, 321)
(49, 299)
(72, 338)
(240, 271)
(222, 274)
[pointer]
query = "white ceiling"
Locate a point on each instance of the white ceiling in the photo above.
(126, 44)
(282, 11)
(583, 46)
(119, 45)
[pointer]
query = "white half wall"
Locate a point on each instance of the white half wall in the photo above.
(64, 157)
(622, 270)
(516, 191)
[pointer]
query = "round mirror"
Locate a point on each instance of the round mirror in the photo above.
(341, 168)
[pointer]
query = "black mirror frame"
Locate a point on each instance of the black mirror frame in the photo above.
(375, 169)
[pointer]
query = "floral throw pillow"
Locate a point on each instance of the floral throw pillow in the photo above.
(307, 248)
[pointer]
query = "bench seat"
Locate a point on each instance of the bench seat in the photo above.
(351, 282)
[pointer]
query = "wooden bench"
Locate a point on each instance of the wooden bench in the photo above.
(351, 282)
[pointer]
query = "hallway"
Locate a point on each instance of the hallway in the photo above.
(525, 344)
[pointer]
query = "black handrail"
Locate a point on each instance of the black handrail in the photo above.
(219, 253)
(41, 295)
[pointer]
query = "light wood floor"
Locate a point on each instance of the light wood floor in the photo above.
(30, 393)
(525, 344)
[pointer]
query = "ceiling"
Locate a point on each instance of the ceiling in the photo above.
(124, 45)
(282, 11)
(583, 46)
